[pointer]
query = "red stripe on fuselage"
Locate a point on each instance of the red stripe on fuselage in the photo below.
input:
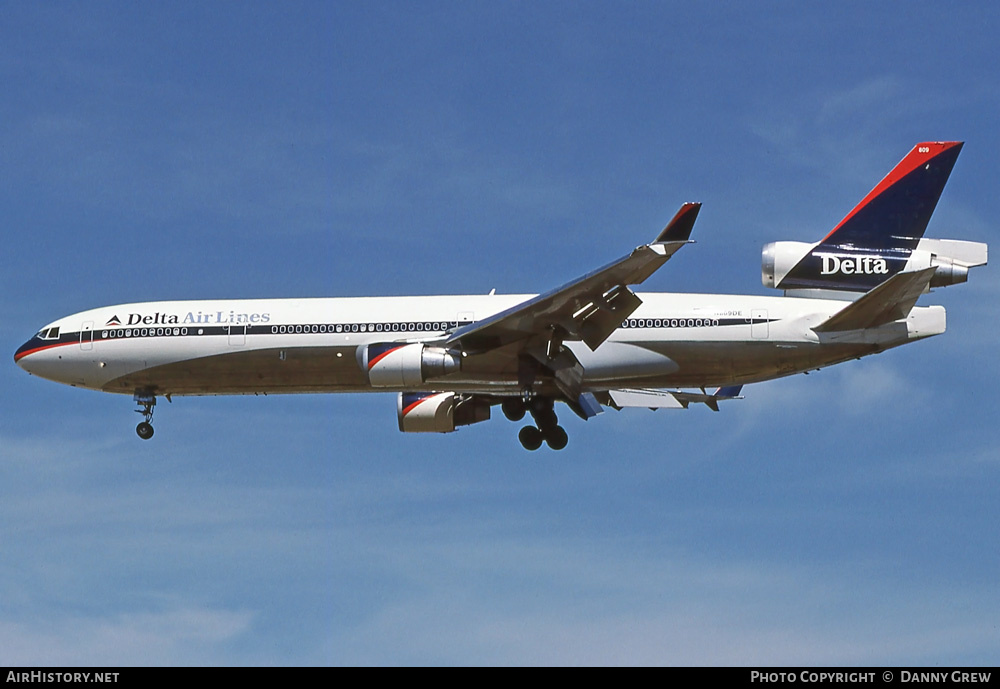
(21, 355)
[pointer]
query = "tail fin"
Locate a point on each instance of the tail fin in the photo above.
(876, 239)
(895, 213)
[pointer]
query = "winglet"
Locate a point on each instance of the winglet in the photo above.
(679, 229)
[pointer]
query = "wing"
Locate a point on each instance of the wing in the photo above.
(589, 308)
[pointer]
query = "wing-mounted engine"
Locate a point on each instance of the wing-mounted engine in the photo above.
(439, 412)
(799, 265)
(398, 364)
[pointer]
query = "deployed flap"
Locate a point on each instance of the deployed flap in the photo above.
(888, 302)
(652, 399)
(586, 406)
(605, 315)
(711, 401)
(672, 399)
(589, 308)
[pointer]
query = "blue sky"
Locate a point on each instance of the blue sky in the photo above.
(231, 150)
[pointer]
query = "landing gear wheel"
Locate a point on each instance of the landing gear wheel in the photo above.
(530, 437)
(543, 413)
(146, 400)
(556, 437)
(546, 419)
(513, 408)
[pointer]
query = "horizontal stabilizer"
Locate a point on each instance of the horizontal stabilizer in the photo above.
(969, 254)
(890, 301)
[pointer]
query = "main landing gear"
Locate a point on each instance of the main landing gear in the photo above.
(546, 429)
(147, 401)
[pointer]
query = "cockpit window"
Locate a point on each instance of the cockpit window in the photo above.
(42, 334)
(48, 334)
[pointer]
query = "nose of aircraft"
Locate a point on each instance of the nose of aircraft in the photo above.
(23, 351)
(22, 356)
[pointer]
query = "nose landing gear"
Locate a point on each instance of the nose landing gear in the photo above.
(147, 401)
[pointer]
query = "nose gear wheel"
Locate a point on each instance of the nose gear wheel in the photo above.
(147, 401)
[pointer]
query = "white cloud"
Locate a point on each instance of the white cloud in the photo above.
(181, 636)
(610, 607)
(843, 134)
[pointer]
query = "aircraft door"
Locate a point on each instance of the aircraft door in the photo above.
(87, 336)
(758, 324)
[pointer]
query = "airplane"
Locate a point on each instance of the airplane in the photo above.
(589, 344)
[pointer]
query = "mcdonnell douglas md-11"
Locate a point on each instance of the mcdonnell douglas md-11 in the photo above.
(589, 344)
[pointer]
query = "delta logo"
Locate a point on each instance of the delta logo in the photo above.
(863, 265)
(190, 318)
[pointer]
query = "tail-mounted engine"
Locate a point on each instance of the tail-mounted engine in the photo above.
(798, 265)
(397, 365)
(439, 412)
(883, 235)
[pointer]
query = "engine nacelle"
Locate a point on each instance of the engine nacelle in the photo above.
(439, 412)
(948, 272)
(953, 258)
(778, 258)
(818, 266)
(400, 365)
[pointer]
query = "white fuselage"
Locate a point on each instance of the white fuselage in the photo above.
(310, 345)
